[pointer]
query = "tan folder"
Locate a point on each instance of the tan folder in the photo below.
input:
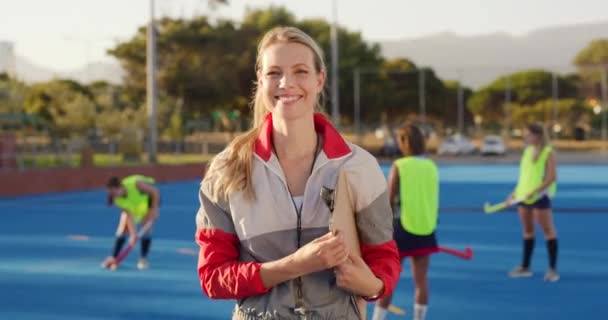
(343, 221)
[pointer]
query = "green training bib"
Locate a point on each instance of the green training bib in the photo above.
(419, 193)
(532, 174)
(134, 202)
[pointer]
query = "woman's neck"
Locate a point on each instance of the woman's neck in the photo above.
(294, 139)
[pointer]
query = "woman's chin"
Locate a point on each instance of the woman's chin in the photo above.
(291, 112)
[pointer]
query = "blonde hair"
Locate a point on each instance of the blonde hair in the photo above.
(233, 171)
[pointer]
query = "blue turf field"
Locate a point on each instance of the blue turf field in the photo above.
(46, 274)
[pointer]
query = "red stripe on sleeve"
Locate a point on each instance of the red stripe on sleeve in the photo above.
(383, 260)
(221, 275)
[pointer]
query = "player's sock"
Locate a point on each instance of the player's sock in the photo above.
(420, 311)
(552, 251)
(118, 244)
(146, 242)
(528, 249)
(379, 313)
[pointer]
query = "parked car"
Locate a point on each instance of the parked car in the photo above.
(493, 145)
(456, 144)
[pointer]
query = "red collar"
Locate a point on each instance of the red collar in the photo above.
(334, 145)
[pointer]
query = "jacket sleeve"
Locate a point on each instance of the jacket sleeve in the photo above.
(221, 274)
(374, 218)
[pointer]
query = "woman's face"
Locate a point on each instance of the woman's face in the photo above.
(289, 81)
(404, 145)
(116, 191)
(531, 138)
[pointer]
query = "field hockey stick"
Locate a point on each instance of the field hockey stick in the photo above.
(467, 254)
(123, 254)
(396, 310)
(493, 208)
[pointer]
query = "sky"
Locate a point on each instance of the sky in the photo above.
(64, 35)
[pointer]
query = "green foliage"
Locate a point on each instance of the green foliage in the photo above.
(64, 103)
(266, 19)
(526, 88)
(354, 52)
(207, 65)
(12, 95)
(211, 66)
(196, 63)
(569, 112)
(590, 61)
(175, 129)
(130, 144)
(596, 53)
(450, 114)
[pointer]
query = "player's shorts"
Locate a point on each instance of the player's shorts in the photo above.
(411, 245)
(543, 203)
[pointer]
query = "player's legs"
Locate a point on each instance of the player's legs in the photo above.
(146, 238)
(121, 230)
(420, 267)
(544, 217)
(527, 221)
(119, 241)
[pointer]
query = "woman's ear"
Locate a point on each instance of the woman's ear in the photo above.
(321, 76)
(259, 79)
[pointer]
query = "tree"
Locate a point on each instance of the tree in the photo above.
(394, 91)
(263, 20)
(590, 61)
(12, 95)
(595, 54)
(526, 88)
(196, 63)
(66, 105)
(450, 114)
(210, 66)
(354, 52)
(569, 112)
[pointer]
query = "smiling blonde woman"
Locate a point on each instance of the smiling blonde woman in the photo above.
(262, 227)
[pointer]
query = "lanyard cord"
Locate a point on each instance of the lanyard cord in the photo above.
(293, 202)
(300, 295)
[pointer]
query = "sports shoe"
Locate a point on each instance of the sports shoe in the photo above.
(520, 272)
(551, 275)
(109, 263)
(142, 264)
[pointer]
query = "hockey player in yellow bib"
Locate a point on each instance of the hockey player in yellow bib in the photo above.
(536, 186)
(138, 199)
(414, 180)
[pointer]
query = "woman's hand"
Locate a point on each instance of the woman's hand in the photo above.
(354, 275)
(322, 253)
